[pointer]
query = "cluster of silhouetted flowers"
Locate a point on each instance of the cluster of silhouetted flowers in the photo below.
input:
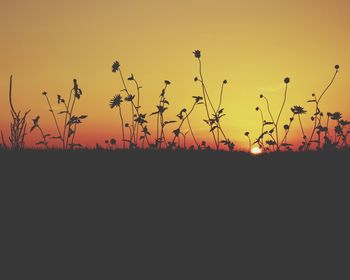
(139, 136)
(321, 136)
(66, 132)
(329, 130)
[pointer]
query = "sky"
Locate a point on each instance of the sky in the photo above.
(254, 45)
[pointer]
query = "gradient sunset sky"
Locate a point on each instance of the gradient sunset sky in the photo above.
(252, 44)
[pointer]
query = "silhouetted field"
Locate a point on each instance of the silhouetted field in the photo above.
(158, 212)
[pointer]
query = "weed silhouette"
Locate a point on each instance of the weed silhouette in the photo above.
(67, 133)
(137, 118)
(161, 123)
(213, 115)
(18, 125)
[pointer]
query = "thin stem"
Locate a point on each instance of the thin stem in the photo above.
(3, 140)
(65, 119)
(190, 127)
(183, 120)
(10, 99)
(268, 109)
(138, 106)
(122, 120)
(221, 93)
(284, 140)
(70, 116)
(328, 86)
(54, 117)
(127, 91)
(142, 126)
(43, 136)
(205, 100)
(301, 126)
(73, 136)
(279, 114)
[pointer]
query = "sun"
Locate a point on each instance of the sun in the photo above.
(256, 151)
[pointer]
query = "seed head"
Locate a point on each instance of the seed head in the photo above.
(115, 66)
(197, 54)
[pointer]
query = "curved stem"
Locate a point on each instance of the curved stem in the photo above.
(328, 86)
(268, 109)
(279, 114)
(43, 136)
(190, 127)
(205, 100)
(183, 120)
(10, 99)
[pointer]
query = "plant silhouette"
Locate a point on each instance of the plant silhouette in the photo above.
(18, 125)
(329, 131)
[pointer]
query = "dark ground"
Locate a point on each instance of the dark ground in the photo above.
(174, 215)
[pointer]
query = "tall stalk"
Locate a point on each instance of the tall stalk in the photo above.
(205, 95)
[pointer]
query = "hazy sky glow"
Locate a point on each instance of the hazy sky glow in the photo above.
(252, 44)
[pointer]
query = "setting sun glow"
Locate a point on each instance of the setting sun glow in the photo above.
(256, 151)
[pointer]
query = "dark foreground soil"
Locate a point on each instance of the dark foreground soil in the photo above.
(174, 215)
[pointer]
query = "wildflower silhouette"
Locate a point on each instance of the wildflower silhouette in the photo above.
(183, 116)
(67, 134)
(138, 88)
(317, 116)
(213, 115)
(161, 123)
(44, 136)
(274, 133)
(116, 103)
(137, 118)
(59, 101)
(298, 110)
(260, 139)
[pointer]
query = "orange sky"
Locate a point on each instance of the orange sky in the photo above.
(252, 44)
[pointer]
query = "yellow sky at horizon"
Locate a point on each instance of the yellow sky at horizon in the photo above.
(252, 44)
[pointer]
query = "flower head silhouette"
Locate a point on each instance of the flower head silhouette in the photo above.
(115, 66)
(116, 101)
(336, 116)
(298, 110)
(197, 54)
(130, 98)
